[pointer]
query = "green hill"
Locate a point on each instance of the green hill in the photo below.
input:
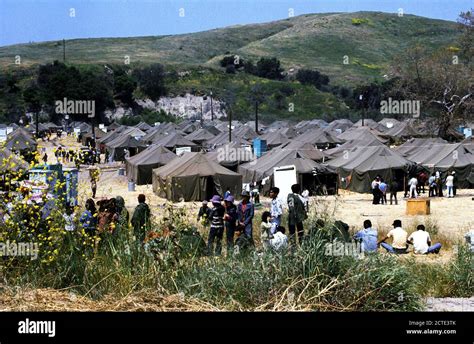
(319, 41)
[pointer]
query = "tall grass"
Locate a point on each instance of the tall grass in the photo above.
(303, 278)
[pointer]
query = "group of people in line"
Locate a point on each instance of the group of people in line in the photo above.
(112, 216)
(237, 221)
(420, 239)
(416, 186)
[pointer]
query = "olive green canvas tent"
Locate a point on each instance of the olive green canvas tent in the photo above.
(139, 167)
(360, 165)
(194, 177)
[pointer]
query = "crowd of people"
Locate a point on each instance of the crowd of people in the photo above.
(237, 221)
(420, 239)
(415, 187)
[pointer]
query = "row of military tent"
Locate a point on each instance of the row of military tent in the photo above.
(194, 177)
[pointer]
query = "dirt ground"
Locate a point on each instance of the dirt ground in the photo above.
(452, 216)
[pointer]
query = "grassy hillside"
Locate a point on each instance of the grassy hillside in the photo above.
(368, 39)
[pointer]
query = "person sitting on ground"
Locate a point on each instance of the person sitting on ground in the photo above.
(216, 231)
(367, 237)
(266, 229)
(399, 239)
(141, 219)
(421, 241)
(279, 241)
(204, 214)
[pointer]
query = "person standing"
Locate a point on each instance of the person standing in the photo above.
(122, 217)
(141, 218)
(450, 185)
(455, 182)
(227, 193)
(276, 209)
(266, 229)
(393, 191)
(230, 221)
(412, 183)
(296, 214)
(375, 191)
(383, 191)
(217, 227)
(245, 213)
(422, 178)
(432, 185)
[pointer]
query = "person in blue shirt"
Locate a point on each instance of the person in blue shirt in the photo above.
(245, 213)
(89, 217)
(383, 191)
(367, 237)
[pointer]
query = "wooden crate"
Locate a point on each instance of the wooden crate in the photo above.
(418, 206)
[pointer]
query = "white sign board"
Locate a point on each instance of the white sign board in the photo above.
(283, 178)
(181, 150)
(467, 132)
(3, 135)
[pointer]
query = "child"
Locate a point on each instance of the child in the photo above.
(266, 228)
(279, 241)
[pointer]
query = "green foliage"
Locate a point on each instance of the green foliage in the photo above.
(359, 21)
(151, 80)
(269, 68)
(312, 77)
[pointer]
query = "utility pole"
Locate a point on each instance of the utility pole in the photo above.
(363, 108)
(64, 50)
(201, 115)
(230, 126)
(256, 117)
(212, 110)
(37, 124)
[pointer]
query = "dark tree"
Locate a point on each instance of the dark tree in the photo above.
(269, 68)
(312, 77)
(151, 80)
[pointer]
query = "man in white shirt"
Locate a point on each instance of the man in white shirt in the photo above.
(399, 239)
(422, 242)
(413, 182)
(450, 185)
(276, 208)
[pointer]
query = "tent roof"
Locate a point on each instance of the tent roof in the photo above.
(318, 136)
(191, 164)
(143, 126)
(200, 135)
(370, 158)
(223, 138)
(443, 155)
(174, 140)
(402, 129)
(125, 141)
(414, 145)
(358, 133)
(364, 142)
(275, 138)
(263, 167)
(154, 154)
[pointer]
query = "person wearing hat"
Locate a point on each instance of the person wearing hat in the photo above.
(245, 213)
(204, 214)
(399, 239)
(230, 221)
(217, 227)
